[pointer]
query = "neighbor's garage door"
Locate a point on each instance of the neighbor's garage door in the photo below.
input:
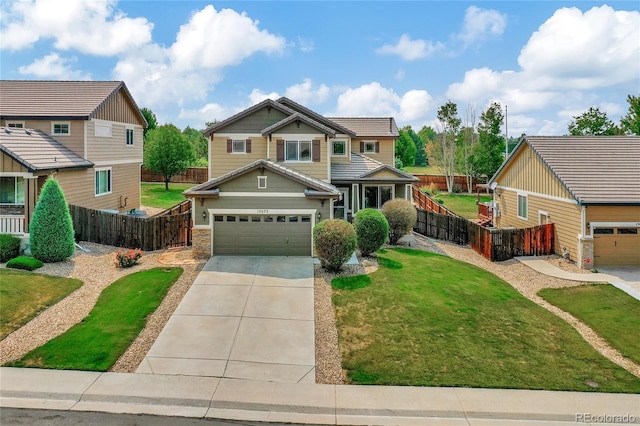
(262, 235)
(616, 247)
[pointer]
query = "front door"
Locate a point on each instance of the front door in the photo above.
(341, 206)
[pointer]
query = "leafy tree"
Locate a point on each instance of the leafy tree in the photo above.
(592, 122)
(420, 144)
(487, 154)
(467, 140)
(630, 123)
(152, 121)
(199, 143)
(427, 134)
(211, 123)
(405, 148)
(168, 152)
(443, 147)
(51, 234)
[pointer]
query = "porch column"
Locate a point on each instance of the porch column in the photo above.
(585, 252)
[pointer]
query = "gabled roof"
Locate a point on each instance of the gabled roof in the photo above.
(304, 179)
(257, 107)
(298, 117)
(362, 168)
(58, 100)
(369, 126)
(594, 169)
(39, 152)
(312, 114)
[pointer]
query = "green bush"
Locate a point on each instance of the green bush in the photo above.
(335, 242)
(401, 216)
(25, 262)
(372, 230)
(9, 247)
(51, 230)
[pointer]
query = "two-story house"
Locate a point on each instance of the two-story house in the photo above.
(278, 168)
(88, 134)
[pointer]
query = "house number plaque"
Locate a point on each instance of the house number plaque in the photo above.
(262, 211)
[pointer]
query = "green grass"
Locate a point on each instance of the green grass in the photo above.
(23, 295)
(611, 312)
(154, 194)
(429, 320)
(422, 170)
(463, 204)
(119, 315)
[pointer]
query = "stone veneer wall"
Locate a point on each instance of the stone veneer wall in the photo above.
(201, 243)
(585, 253)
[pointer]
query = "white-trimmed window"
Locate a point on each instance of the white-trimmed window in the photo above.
(15, 124)
(262, 182)
(239, 146)
(376, 195)
(298, 151)
(523, 208)
(129, 137)
(339, 148)
(103, 181)
(102, 130)
(60, 128)
(12, 190)
(369, 147)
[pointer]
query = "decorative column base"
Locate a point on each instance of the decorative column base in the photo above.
(585, 252)
(201, 243)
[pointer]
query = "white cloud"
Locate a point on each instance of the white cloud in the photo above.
(209, 112)
(569, 57)
(256, 96)
(410, 50)
(414, 105)
(306, 45)
(306, 94)
(54, 67)
(479, 23)
(400, 75)
(91, 27)
(216, 39)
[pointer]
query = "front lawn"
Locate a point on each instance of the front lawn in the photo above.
(429, 320)
(101, 338)
(611, 312)
(23, 295)
(463, 204)
(154, 194)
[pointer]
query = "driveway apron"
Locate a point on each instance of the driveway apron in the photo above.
(247, 317)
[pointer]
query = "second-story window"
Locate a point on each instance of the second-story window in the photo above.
(298, 151)
(58, 128)
(370, 147)
(339, 148)
(239, 146)
(129, 137)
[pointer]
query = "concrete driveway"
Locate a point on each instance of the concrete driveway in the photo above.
(247, 317)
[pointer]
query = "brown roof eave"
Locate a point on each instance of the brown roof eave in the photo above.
(45, 117)
(214, 193)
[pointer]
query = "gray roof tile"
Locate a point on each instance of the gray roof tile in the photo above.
(361, 167)
(297, 116)
(369, 126)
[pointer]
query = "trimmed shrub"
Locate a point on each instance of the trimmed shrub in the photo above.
(401, 216)
(9, 247)
(127, 258)
(335, 242)
(372, 230)
(25, 262)
(51, 230)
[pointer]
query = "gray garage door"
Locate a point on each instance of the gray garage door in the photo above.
(262, 235)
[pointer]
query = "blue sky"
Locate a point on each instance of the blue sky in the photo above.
(192, 61)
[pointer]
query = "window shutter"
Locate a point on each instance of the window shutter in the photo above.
(229, 145)
(361, 146)
(377, 146)
(248, 146)
(279, 150)
(315, 150)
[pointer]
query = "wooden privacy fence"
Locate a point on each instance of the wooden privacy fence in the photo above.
(423, 201)
(145, 233)
(192, 175)
(493, 244)
(441, 182)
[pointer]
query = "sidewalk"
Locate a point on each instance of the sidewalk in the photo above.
(237, 399)
(630, 287)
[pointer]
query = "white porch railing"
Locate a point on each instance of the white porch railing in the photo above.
(12, 224)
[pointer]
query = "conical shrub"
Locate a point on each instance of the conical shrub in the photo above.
(51, 232)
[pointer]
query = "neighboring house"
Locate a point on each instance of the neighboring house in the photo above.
(88, 134)
(588, 186)
(278, 168)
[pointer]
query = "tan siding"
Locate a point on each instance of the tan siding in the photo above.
(527, 172)
(9, 165)
(118, 108)
(75, 141)
(565, 216)
(79, 189)
(249, 183)
(346, 158)
(114, 148)
(223, 162)
(383, 174)
(318, 169)
(386, 154)
(613, 214)
(256, 122)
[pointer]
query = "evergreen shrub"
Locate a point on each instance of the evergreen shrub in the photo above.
(401, 216)
(335, 242)
(372, 230)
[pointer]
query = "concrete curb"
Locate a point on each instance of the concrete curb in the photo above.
(246, 400)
